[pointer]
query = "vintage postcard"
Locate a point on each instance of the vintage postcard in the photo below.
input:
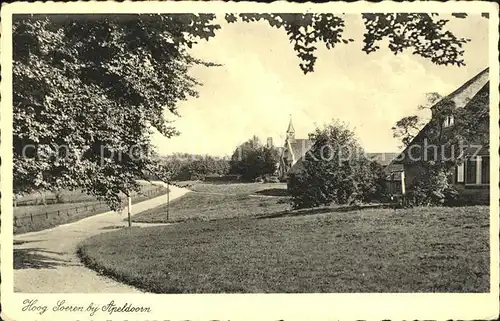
(244, 161)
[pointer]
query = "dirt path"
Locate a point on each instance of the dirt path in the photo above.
(46, 261)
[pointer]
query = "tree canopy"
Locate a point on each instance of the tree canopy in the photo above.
(87, 90)
(87, 93)
(335, 170)
(423, 33)
(408, 127)
(188, 167)
(252, 160)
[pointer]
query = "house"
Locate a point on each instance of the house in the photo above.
(385, 160)
(471, 175)
(293, 150)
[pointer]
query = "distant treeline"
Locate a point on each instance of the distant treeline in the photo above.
(186, 167)
(249, 161)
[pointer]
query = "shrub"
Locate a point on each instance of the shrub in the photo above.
(331, 177)
(253, 161)
(432, 186)
(271, 179)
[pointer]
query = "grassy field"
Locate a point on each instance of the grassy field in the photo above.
(219, 201)
(66, 196)
(26, 210)
(32, 218)
(70, 199)
(238, 188)
(372, 250)
(194, 206)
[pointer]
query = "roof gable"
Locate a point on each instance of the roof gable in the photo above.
(300, 147)
(468, 90)
(461, 97)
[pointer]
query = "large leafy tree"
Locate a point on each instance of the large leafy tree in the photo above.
(87, 93)
(335, 170)
(252, 160)
(408, 127)
(88, 89)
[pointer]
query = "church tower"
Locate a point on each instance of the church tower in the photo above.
(290, 132)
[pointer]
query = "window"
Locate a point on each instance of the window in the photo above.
(471, 166)
(460, 173)
(448, 121)
(485, 170)
(478, 170)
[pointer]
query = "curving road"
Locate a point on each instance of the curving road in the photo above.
(46, 261)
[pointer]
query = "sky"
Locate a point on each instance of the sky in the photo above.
(260, 84)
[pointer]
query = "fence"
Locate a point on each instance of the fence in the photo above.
(52, 197)
(393, 183)
(48, 201)
(87, 209)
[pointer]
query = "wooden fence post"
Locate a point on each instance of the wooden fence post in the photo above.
(31, 215)
(129, 210)
(46, 215)
(168, 201)
(403, 190)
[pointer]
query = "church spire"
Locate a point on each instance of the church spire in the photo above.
(290, 132)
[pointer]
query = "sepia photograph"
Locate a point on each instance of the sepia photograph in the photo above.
(233, 151)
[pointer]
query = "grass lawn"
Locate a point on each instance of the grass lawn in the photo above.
(21, 211)
(237, 188)
(194, 206)
(217, 201)
(372, 250)
(67, 196)
(70, 199)
(30, 218)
